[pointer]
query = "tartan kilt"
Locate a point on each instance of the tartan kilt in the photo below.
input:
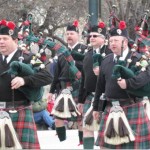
(87, 110)
(75, 93)
(25, 127)
(139, 123)
(87, 103)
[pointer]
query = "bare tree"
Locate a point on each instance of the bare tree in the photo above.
(47, 14)
(56, 14)
(128, 10)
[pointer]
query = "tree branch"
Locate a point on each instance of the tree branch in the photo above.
(121, 10)
(109, 5)
(127, 10)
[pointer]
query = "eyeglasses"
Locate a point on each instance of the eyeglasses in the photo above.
(94, 36)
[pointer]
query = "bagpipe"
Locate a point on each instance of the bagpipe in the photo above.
(21, 69)
(9, 137)
(26, 23)
(61, 50)
(113, 19)
(58, 49)
(118, 130)
(26, 28)
(77, 55)
(65, 107)
(74, 73)
(18, 68)
(121, 71)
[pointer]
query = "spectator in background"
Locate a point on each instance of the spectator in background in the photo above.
(41, 115)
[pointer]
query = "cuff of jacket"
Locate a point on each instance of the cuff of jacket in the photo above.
(27, 81)
(95, 107)
(100, 106)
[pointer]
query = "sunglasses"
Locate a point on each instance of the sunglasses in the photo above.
(94, 36)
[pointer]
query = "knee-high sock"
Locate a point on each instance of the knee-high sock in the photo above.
(80, 136)
(61, 132)
(88, 142)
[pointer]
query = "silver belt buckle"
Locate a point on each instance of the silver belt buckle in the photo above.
(2, 105)
(115, 103)
(70, 88)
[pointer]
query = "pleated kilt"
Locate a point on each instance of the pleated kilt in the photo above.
(25, 127)
(75, 94)
(87, 102)
(139, 122)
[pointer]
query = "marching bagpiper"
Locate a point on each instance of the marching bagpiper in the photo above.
(17, 127)
(91, 67)
(124, 123)
(66, 84)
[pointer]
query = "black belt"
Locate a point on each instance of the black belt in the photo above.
(124, 102)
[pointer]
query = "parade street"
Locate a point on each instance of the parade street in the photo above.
(49, 140)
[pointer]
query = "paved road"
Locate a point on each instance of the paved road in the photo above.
(49, 140)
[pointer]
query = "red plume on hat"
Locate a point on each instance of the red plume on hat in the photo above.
(75, 23)
(11, 25)
(8, 28)
(122, 30)
(3, 22)
(122, 25)
(101, 25)
(73, 26)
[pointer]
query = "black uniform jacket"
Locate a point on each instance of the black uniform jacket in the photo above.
(39, 79)
(108, 85)
(89, 79)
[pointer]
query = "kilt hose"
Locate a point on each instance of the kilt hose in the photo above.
(75, 93)
(139, 123)
(25, 127)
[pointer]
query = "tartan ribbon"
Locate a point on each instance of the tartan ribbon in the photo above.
(68, 57)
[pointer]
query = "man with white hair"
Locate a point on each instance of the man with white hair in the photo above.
(90, 72)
